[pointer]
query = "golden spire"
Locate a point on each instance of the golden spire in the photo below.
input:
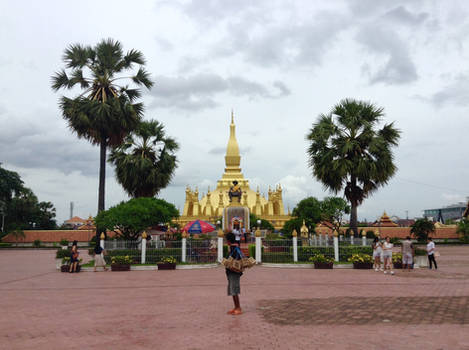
(232, 158)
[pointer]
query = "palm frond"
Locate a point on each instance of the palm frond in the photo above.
(142, 78)
(60, 80)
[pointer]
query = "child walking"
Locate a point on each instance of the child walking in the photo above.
(233, 277)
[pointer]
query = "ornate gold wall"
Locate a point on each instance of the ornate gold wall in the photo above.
(210, 206)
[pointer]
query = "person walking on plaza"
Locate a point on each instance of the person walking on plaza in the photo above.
(234, 288)
(407, 254)
(99, 258)
(377, 254)
(431, 253)
(237, 233)
(74, 257)
(387, 255)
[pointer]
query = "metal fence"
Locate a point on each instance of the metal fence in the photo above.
(197, 251)
(277, 251)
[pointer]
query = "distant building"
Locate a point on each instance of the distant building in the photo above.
(74, 222)
(453, 212)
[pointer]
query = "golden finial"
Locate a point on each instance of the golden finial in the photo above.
(294, 233)
(232, 116)
(144, 235)
(220, 233)
(103, 236)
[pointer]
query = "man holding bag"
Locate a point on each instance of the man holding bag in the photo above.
(233, 275)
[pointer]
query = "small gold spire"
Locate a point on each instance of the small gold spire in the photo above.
(294, 233)
(144, 235)
(103, 236)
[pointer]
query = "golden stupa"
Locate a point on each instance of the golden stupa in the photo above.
(210, 206)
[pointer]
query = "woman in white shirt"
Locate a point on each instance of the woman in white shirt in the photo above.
(387, 255)
(377, 253)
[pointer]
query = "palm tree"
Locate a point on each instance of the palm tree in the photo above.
(105, 112)
(347, 151)
(145, 162)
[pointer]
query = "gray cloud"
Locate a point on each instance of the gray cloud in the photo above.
(198, 92)
(402, 15)
(32, 144)
(398, 67)
(455, 93)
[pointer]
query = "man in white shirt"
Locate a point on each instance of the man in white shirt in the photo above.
(431, 253)
(237, 234)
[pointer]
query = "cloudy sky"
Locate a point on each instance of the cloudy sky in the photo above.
(278, 64)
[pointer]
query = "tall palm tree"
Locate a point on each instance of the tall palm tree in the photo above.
(145, 162)
(105, 111)
(347, 151)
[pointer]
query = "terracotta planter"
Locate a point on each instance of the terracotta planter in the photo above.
(323, 265)
(362, 265)
(166, 266)
(116, 267)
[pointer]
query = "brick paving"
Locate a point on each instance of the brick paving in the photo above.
(186, 309)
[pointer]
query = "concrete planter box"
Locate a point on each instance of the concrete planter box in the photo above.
(116, 267)
(323, 265)
(363, 266)
(166, 266)
(421, 261)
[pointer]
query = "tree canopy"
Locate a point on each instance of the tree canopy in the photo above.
(129, 219)
(145, 162)
(349, 152)
(105, 110)
(21, 207)
(312, 211)
(422, 228)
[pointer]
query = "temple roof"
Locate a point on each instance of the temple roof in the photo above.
(385, 221)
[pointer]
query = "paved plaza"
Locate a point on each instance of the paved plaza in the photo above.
(186, 309)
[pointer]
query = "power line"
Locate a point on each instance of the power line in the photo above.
(434, 186)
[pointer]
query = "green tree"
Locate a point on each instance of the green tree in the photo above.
(104, 112)
(463, 230)
(145, 162)
(25, 212)
(309, 210)
(129, 219)
(17, 234)
(265, 224)
(292, 224)
(333, 210)
(422, 228)
(347, 151)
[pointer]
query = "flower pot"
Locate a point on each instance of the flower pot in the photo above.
(166, 266)
(119, 267)
(363, 265)
(323, 265)
(397, 265)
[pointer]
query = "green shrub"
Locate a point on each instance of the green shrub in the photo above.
(37, 243)
(320, 258)
(63, 253)
(225, 250)
(370, 234)
(63, 242)
(3, 244)
(345, 252)
(153, 256)
(420, 251)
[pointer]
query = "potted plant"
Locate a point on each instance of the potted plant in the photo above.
(322, 262)
(60, 255)
(167, 263)
(361, 261)
(397, 260)
(64, 243)
(120, 263)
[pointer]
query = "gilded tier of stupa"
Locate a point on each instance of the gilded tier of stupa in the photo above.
(210, 206)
